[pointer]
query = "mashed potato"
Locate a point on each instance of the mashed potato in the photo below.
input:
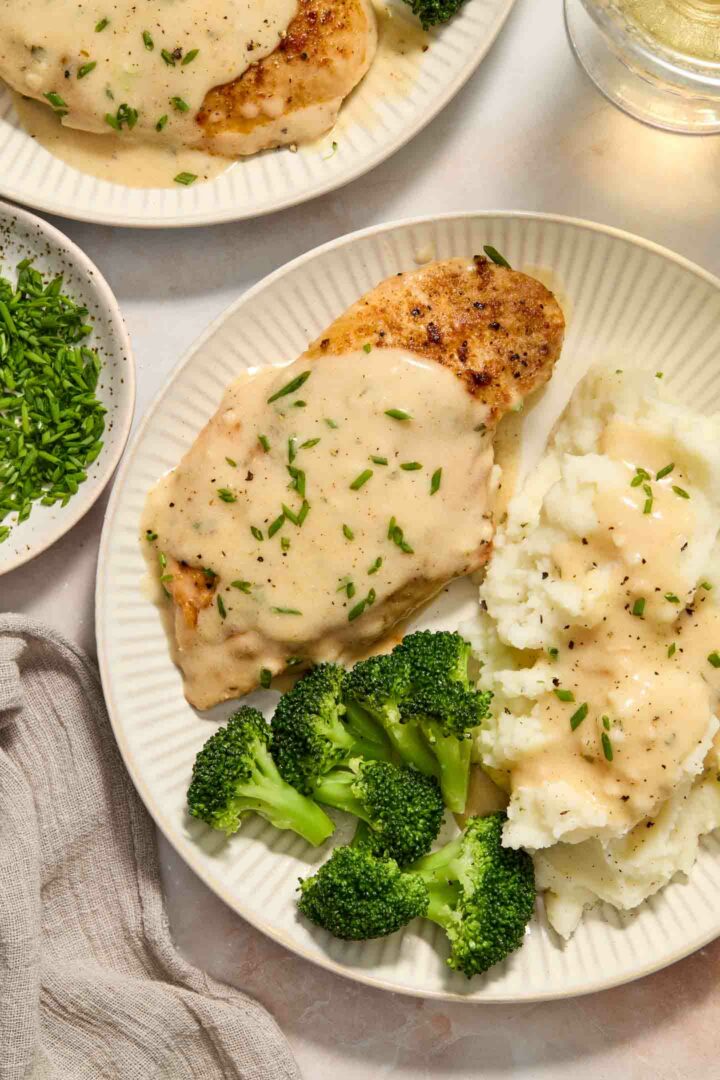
(598, 636)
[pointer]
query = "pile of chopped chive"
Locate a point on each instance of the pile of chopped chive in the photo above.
(51, 421)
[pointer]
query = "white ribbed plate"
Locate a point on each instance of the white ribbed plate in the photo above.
(627, 302)
(22, 236)
(374, 123)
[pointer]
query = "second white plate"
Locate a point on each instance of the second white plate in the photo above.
(627, 302)
(402, 92)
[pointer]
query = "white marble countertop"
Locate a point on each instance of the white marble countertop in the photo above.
(528, 132)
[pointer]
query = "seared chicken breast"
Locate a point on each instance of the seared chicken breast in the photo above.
(325, 501)
(294, 94)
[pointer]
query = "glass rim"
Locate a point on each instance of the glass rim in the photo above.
(626, 34)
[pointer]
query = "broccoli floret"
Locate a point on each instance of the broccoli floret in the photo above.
(375, 688)
(357, 896)
(402, 809)
(434, 12)
(481, 893)
(235, 774)
(443, 704)
(312, 734)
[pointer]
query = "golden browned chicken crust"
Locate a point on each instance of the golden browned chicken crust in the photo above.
(498, 329)
(328, 47)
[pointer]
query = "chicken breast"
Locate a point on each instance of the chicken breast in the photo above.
(295, 94)
(325, 501)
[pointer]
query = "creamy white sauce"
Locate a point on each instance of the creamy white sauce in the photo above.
(296, 603)
(137, 163)
(644, 665)
(45, 45)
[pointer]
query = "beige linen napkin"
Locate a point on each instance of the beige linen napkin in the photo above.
(90, 983)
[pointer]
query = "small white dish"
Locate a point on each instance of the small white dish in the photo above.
(23, 235)
(405, 88)
(628, 303)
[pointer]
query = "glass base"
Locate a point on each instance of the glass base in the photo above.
(639, 96)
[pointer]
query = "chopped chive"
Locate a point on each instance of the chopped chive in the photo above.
(185, 178)
(578, 716)
(308, 444)
(367, 348)
(373, 569)
(360, 480)
(680, 492)
(606, 722)
(292, 449)
(265, 677)
(190, 56)
(647, 489)
(298, 480)
(638, 607)
(286, 611)
(167, 577)
(304, 511)
(554, 653)
(56, 101)
(293, 661)
(101, 25)
(607, 746)
(226, 495)
(209, 574)
(648, 505)
(665, 471)
(290, 387)
(706, 585)
(357, 611)
(331, 423)
(714, 659)
(349, 590)
(221, 607)
(179, 104)
(85, 69)
(494, 255)
(435, 481)
(672, 598)
(264, 442)
(371, 596)
(124, 115)
(243, 586)
(148, 41)
(289, 514)
(231, 461)
(564, 695)
(161, 122)
(398, 414)
(257, 533)
(168, 57)
(411, 466)
(150, 535)
(162, 559)
(348, 533)
(284, 543)
(378, 460)
(300, 404)
(276, 525)
(671, 650)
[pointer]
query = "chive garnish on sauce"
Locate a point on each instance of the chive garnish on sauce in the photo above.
(638, 607)
(243, 586)
(578, 716)
(374, 567)
(276, 525)
(308, 444)
(100, 26)
(714, 659)
(179, 104)
(286, 611)
(148, 41)
(85, 69)
(264, 442)
(185, 178)
(221, 607)
(189, 57)
(348, 533)
(680, 492)
(607, 746)
(665, 471)
(398, 414)
(257, 533)
(564, 695)
(672, 598)
(161, 122)
(290, 387)
(150, 535)
(360, 480)
(265, 677)
(411, 466)
(378, 460)
(671, 650)
(435, 481)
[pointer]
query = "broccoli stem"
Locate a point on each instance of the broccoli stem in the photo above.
(407, 740)
(281, 804)
(453, 757)
(335, 789)
(371, 739)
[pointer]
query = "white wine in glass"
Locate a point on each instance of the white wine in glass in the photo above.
(659, 60)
